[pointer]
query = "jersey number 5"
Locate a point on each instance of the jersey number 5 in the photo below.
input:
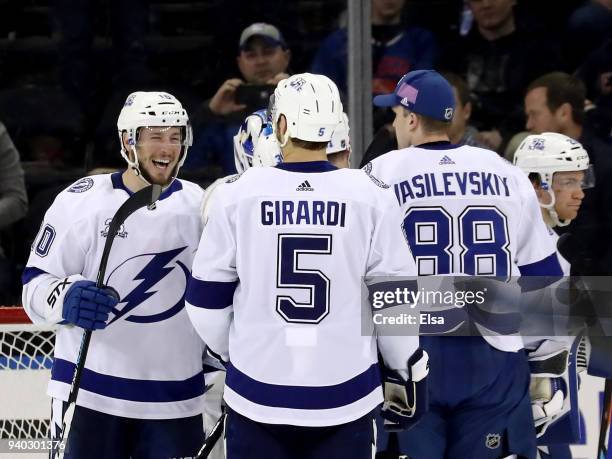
(482, 236)
(291, 275)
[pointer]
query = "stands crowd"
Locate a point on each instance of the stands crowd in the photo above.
(517, 67)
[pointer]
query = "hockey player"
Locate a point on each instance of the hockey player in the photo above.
(558, 167)
(466, 212)
(559, 170)
(275, 291)
(142, 386)
(255, 144)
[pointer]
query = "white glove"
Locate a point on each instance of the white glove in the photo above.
(549, 386)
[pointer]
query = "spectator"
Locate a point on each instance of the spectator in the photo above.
(498, 57)
(13, 202)
(80, 73)
(588, 28)
(555, 103)
(263, 59)
(596, 73)
(396, 49)
(461, 132)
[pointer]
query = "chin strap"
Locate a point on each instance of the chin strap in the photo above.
(552, 213)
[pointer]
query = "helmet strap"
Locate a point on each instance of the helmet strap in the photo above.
(552, 213)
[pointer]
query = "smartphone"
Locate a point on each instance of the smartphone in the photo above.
(255, 97)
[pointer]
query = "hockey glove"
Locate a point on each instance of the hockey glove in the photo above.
(406, 399)
(88, 306)
(549, 386)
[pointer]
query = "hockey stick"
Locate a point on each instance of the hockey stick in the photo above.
(212, 439)
(145, 197)
(604, 429)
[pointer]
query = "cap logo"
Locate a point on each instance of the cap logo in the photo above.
(448, 113)
(408, 93)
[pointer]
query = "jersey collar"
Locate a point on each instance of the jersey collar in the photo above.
(118, 184)
(438, 145)
(308, 166)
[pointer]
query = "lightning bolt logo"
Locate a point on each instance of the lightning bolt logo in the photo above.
(150, 275)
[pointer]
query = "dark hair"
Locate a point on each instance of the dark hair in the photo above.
(460, 86)
(432, 125)
(305, 144)
(535, 178)
(562, 88)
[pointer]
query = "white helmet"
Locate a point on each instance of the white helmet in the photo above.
(340, 140)
(311, 104)
(152, 109)
(551, 152)
(255, 144)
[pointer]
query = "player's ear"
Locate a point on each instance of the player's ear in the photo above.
(281, 125)
(124, 141)
(126, 145)
(467, 111)
(413, 120)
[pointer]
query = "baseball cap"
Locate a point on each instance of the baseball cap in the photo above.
(270, 34)
(425, 92)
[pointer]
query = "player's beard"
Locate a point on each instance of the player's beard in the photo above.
(145, 174)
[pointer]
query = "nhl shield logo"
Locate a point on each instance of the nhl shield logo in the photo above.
(493, 441)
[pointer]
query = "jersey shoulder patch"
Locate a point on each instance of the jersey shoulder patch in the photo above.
(232, 178)
(368, 170)
(81, 186)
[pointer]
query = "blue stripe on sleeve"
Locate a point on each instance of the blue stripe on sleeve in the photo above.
(548, 266)
(30, 273)
(209, 294)
(303, 397)
(136, 390)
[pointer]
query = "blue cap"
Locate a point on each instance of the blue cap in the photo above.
(425, 92)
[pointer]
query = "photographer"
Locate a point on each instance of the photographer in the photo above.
(263, 58)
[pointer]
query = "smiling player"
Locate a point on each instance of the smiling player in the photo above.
(142, 386)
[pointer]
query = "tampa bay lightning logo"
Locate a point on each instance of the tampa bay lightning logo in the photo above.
(81, 186)
(151, 287)
(537, 143)
(368, 170)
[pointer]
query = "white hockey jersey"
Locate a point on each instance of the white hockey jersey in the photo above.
(147, 363)
(468, 211)
(276, 291)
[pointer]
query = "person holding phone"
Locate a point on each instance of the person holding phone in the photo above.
(263, 58)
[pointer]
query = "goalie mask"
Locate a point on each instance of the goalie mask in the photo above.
(254, 144)
(152, 110)
(547, 154)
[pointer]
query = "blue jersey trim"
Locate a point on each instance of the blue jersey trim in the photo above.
(118, 184)
(548, 266)
(30, 273)
(303, 397)
(540, 274)
(135, 390)
(309, 166)
(209, 294)
(438, 145)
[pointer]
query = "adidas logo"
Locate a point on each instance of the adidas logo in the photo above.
(304, 186)
(446, 160)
